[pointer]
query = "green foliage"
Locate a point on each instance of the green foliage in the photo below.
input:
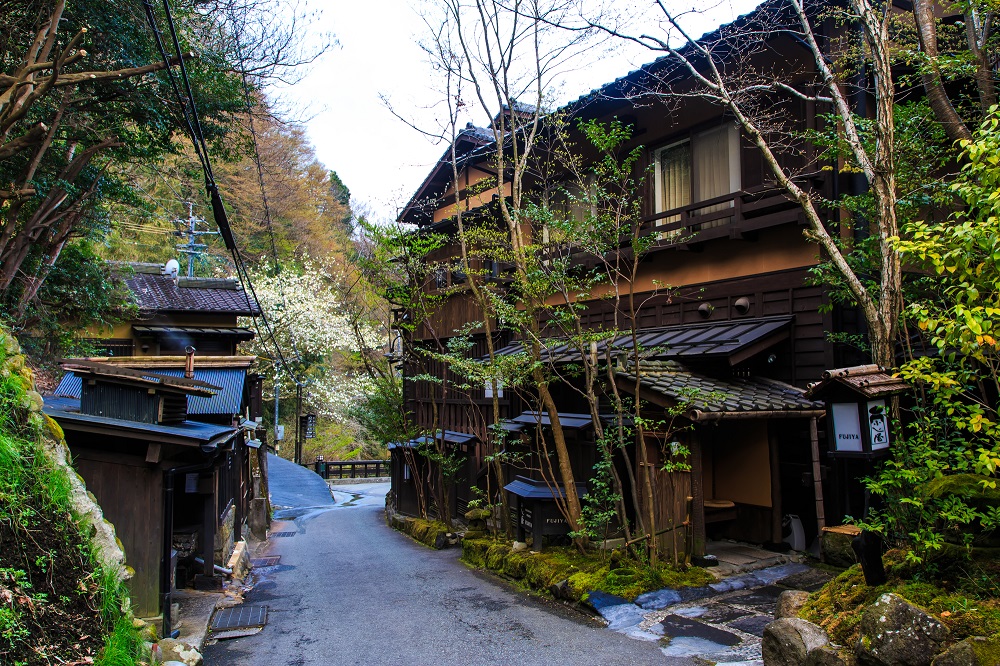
(954, 430)
(600, 505)
(50, 581)
(81, 293)
(102, 124)
(922, 158)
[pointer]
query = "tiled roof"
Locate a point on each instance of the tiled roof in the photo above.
(870, 381)
(712, 398)
(736, 340)
(159, 293)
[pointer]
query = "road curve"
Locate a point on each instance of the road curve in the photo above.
(350, 590)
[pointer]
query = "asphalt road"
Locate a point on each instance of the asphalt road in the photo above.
(350, 590)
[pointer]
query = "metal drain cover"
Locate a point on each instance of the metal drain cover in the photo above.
(239, 617)
(277, 535)
(268, 561)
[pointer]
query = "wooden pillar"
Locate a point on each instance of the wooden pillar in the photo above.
(242, 480)
(776, 510)
(208, 520)
(817, 475)
(698, 494)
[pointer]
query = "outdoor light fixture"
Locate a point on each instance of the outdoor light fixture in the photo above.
(857, 415)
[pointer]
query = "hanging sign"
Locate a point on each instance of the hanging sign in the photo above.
(859, 428)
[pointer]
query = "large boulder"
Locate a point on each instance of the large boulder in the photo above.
(894, 632)
(790, 602)
(788, 641)
(828, 656)
(974, 651)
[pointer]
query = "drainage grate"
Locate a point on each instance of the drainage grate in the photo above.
(277, 535)
(268, 561)
(239, 617)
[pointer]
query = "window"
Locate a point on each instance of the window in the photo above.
(570, 203)
(440, 278)
(699, 168)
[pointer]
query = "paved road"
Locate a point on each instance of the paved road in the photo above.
(350, 590)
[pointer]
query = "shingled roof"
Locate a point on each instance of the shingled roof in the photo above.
(710, 398)
(160, 293)
(871, 381)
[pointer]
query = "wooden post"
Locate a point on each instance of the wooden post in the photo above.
(775, 487)
(817, 474)
(239, 509)
(208, 533)
(698, 493)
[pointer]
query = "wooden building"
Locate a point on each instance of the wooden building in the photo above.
(173, 475)
(742, 317)
(175, 312)
(157, 473)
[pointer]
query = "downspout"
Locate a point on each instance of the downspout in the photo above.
(168, 529)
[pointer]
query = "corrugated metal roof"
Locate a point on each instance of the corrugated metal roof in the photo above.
(229, 399)
(66, 412)
(702, 340)
(449, 437)
(567, 420)
(200, 331)
(712, 395)
(527, 488)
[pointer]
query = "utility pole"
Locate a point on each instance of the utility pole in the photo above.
(277, 391)
(189, 228)
(299, 435)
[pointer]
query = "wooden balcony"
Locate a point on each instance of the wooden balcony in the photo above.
(737, 215)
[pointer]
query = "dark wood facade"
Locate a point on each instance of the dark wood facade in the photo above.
(738, 254)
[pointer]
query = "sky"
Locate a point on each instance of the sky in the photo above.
(381, 158)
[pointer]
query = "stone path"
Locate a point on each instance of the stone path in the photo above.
(720, 623)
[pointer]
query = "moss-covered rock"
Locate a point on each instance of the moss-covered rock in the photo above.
(576, 573)
(967, 607)
(428, 532)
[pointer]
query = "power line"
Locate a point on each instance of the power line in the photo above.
(193, 125)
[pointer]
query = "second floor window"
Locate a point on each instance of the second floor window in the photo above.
(699, 168)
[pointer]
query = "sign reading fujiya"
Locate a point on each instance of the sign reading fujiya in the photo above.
(859, 428)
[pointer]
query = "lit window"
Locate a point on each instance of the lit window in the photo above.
(703, 167)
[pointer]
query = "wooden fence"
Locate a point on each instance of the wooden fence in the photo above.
(350, 469)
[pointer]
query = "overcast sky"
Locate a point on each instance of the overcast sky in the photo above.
(380, 158)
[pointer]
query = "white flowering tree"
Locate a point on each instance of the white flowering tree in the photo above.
(320, 339)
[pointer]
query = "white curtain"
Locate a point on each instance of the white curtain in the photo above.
(716, 167)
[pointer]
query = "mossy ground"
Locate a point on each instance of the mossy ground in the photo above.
(961, 592)
(57, 605)
(585, 572)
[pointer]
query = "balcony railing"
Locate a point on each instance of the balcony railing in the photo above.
(728, 216)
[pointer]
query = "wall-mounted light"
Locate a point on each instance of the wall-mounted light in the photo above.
(706, 310)
(742, 305)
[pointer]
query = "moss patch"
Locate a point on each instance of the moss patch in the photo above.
(837, 607)
(585, 573)
(426, 532)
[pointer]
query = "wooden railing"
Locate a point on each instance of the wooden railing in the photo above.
(728, 216)
(350, 469)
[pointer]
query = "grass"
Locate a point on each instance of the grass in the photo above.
(585, 572)
(943, 589)
(56, 602)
